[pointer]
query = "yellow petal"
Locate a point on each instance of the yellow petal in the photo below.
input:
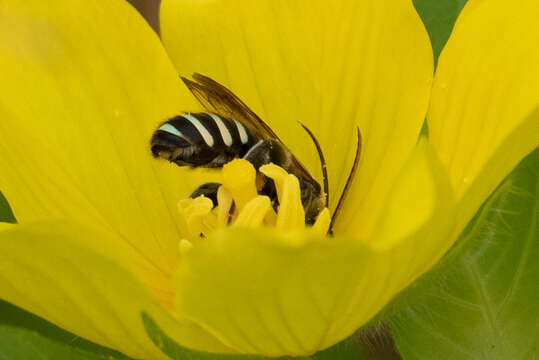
(283, 293)
(412, 199)
(332, 67)
(483, 117)
(83, 87)
(5, 226)
(52, 269)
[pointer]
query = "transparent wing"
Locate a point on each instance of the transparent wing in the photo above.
(218, 99)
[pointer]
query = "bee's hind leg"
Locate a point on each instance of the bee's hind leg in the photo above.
(209, 190)
(264, 152)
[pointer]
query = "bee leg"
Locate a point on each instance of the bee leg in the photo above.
(264, 152)
(270, 191)
(259, 154)
(209, 190)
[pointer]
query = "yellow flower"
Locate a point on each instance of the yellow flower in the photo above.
(98, 240)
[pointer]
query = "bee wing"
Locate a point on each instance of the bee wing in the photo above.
(217, 98)
(301, 171)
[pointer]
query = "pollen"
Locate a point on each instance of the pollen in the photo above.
(241, 203)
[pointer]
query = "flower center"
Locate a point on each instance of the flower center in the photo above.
(239, 203)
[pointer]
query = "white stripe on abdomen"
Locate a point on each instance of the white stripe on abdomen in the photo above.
(243, 134)
(208, 138)
(171, 130)
(225, 134)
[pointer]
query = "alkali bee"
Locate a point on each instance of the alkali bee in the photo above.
(230, 129)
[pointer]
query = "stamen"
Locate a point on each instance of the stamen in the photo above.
(185, 246)
(271, 218)
(321, 225)
(277, 174)
(240, 205)
(291, 214)
(197, 215)
(254, 212)
(224, 210)
(239, 179)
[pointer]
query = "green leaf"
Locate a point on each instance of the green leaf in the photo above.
(25, 336)
(349, 349)
(439, 17)
(25, 344)
(6, 215)
(482, 300)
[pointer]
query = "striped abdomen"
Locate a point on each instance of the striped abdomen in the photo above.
(202, 139)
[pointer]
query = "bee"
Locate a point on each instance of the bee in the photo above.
(229, 130)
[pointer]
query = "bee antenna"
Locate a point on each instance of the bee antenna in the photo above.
(322, 161)
(348, 183)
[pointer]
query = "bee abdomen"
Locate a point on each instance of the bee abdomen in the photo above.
(201, 139)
